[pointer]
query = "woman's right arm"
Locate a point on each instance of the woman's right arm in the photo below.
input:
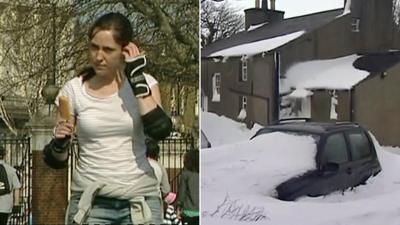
(56, 152)
(62, 135)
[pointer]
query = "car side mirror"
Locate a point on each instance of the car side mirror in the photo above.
(330, 168)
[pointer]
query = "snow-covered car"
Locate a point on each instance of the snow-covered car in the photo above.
(345, 157)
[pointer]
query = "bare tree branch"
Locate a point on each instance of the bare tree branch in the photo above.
(218, 21)
(30, 34)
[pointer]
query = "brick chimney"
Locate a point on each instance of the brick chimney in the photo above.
(254, 16)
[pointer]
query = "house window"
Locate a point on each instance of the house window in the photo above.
(355, 25)
(243, 75)
(216, 83)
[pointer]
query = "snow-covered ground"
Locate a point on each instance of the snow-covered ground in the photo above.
(238, 177)
(221, 130)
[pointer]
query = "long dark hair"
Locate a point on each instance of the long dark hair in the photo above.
(122, 32)
(191, 160)
(116, 22)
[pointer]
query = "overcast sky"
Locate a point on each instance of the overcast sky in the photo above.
(292, 7)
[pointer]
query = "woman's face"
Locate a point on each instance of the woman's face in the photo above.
(105, 54)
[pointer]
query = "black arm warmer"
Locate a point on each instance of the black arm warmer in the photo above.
(157, 124)
(49, 159)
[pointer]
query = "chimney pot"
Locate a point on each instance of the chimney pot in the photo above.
(272, 4)
(264, 5)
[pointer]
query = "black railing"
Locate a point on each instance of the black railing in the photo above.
(19, 155)
(172, 150)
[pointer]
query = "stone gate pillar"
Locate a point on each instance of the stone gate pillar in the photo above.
(49, 186)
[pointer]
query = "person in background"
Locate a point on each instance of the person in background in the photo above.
(188, 194)
(9, 186)
(152, 153)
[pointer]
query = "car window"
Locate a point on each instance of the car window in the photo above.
(359, 143)
(335, 149)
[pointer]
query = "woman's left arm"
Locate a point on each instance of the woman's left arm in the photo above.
(156, 123)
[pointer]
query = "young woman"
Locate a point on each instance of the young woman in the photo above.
(188, 194)
(114, 105)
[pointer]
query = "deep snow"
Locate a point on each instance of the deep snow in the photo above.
(238, 178)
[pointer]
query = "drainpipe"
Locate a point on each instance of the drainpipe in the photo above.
(277, 61)
(352, 104)
(264, 5)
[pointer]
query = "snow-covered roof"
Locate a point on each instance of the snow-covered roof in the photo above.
(258, 46)
(253, 27)
(336, 74)
(306, 23)
(347, 8)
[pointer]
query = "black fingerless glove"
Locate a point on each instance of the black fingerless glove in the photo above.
(157, 124)
(134, 72)
(60, 147)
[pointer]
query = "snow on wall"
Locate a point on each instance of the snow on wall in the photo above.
(347, 7)
(396, 12)
(258, 46)
(242, 114)
(221, 130)
(334, 103)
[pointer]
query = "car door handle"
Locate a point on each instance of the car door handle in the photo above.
(349, 170)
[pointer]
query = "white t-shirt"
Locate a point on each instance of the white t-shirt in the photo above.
(161, 175)
(110, 135)
(6, 201)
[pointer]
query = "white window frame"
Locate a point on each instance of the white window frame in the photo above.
(244, 74)
(216, 87)
(218, 82)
